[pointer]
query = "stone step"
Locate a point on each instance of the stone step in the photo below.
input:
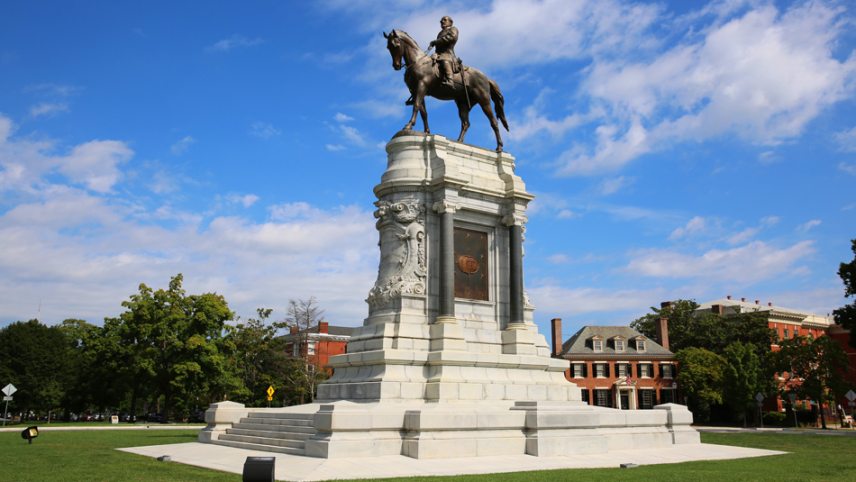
(267, 433)
(282, 415)
(254, 440)
(289, 422)
(265, 448)
(274, 427)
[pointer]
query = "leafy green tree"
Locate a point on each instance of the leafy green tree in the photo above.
(744, 378)
(37, 360)
(260, 358)
(700, 378)
(173, 345)
(846, 315)
(703, 329)
(815, 366)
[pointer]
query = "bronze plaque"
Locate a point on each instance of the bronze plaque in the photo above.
(471, 264)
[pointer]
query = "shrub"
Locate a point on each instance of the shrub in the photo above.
(778, 419)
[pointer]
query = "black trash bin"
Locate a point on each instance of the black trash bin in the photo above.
(259, 469)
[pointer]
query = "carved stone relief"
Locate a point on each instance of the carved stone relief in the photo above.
(403, 265)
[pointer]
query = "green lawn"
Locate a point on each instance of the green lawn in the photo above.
(89, 456)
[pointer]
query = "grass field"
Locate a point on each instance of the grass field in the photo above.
(90, 456)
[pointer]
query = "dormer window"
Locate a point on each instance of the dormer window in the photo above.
(619, 344)
(640, 345)
(597, 344)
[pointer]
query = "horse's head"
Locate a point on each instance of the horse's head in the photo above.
(396, 49)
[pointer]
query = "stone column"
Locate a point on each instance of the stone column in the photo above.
(515, 268)
(446, 210)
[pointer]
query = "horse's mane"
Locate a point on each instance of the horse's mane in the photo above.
(406, 36)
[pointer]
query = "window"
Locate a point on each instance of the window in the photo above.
(787, 334)
(646, 399)
(585, 394)
(644, 370)
(294, 350)
(619, 344)
(597, 344)
(602, 398)
(579, 370)
(667, 371)
(640, 345)
(622, 369)
(667, 395)
(601, 370)
(310, 348)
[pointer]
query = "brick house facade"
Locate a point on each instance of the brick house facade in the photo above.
(319, 343)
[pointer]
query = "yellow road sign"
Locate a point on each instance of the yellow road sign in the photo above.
(270, 398)
(270, 391)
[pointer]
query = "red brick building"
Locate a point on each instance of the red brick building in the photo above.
(616, 366)
(318, 343)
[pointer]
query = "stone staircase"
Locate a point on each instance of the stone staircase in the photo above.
(271, 432)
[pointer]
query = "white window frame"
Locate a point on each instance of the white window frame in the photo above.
(600, 370)
(646, 370)
(597, 345)
(621, 369)
(668, 370)
(578, 370)
(641, 347)
(619, 345)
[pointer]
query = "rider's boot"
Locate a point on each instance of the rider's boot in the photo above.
(446, 74)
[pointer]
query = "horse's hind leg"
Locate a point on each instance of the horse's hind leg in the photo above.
(488, 112)
(464, 114)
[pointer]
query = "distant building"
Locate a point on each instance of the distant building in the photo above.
(618, 367)
(319, 343)
(786, 322)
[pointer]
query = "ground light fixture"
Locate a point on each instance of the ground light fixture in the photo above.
(30, 433)
(259, 469)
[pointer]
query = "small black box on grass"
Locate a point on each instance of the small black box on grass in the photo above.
(259, 469)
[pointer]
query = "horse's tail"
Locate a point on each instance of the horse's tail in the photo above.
(498, 102)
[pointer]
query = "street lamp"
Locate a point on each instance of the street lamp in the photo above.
(793, 398)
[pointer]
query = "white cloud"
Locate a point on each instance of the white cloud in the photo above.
(95, 164)
(808, 225)
(340, 117)
(752, 262)
(233, 42)
(615, 184)
(334, 147)
(848, 167)
(770, 220)
(263, 130)
(743, 236)
(846, 140)
(555, 299)
(694, 226)
(182, 145)
(48, 109)
(245, 200)
(761, 76)
(5, 128)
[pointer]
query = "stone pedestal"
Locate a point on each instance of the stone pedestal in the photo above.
(448, 362)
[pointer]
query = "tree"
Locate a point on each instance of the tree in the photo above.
(846, 315)
(173, 346)
(703, 329)
(816, 365)
(700, 379)
(303, 317)
(260, 357)
(744, 378)
(37, 360)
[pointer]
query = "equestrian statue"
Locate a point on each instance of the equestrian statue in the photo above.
(443, 76)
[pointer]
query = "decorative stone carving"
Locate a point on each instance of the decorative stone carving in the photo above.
(403, 266)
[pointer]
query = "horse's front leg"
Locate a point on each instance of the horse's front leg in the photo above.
(424, 113)
(464, 114)
(418, 106)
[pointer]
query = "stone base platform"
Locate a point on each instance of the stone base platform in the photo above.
(488, 428)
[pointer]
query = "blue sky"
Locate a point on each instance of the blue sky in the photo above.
(676, 149)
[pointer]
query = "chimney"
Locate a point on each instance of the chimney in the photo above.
(743, 300)
(663, 325)
(556, 331)
(728, 297)
(292, 330)
(322, 326)
(717, 309)
(769, 303)
(757, 302)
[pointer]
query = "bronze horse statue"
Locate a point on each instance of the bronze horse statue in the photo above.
(471, 86)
